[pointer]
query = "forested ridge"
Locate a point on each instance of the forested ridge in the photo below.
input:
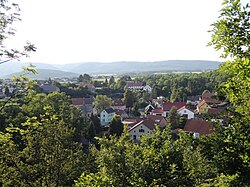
(41, 135)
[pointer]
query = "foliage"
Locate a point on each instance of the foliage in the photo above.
(116, 126)
(10, 14)
(102, 102)
(231, 32)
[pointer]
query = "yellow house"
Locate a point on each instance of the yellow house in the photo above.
(203, 107)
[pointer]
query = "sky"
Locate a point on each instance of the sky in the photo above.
(117, 30)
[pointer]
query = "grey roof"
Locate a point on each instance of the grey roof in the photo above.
(109, 110)
(49, 88)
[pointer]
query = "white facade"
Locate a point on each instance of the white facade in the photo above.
(139, 130)
(106, 117)
(186, 112)
(147, 89)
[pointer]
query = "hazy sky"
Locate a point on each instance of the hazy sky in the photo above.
(117, 30)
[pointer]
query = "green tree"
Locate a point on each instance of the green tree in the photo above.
(41, 148)
(116, 126)
(10, 14)
(111, 80)
(231, 34)
(102, 101)
(129, 98)
(173, 118)
(7, 91)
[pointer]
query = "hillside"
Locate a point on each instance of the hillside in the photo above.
(44, 74)
(53, 70)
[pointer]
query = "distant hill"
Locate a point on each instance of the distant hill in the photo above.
(114, 67)
(137, 67)
(44, 74)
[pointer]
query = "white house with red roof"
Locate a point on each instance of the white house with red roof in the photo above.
(185, 112)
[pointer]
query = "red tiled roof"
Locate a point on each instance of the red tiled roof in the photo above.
(184, 107)
(200, 126)
(77, 101)
(168, 105)
(157, 111)
(201, 103)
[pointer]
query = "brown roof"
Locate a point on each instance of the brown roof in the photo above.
(214, 111)
(77, 101)
(150, 124)
(200, 126)
(119, 112)
(158, 119)
(168, 105)
(201, 103)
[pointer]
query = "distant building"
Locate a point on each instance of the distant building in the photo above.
(119, 105)
(147, 89)
(49, 88)
(133, 85)
(86, 105)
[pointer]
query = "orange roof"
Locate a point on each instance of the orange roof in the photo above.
(158, 111)
(201, 103)
(200, 126)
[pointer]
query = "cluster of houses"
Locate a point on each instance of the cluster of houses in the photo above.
(157, 112)
(154, 114)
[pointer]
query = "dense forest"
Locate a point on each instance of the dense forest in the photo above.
(41, 134)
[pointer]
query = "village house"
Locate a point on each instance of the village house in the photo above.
(185, 112)
(86, 105)
(158, 120)
(148, 109)
(133, 85)
(144, 127)
(119, 105)
(147, 89)
(106, 116)
(166, 107)
(193, 100)
(121, 113)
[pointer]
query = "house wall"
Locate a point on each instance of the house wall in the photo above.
(138, 131)
(203, 109)
(190, 114)
(106, 118)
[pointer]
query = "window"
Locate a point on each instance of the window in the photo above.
(141, 130)
(134, 137)
(134, 131)
(103, 115)
(185, 111)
